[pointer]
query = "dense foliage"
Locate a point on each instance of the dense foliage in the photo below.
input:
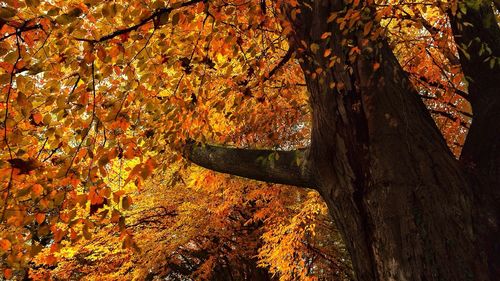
(98, 99)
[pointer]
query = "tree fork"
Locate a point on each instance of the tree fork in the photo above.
(399, 197)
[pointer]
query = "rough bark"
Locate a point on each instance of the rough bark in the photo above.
(284, 167)
(399, 196)
(403, 203)
(478, 36)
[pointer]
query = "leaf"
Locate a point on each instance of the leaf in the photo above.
(7, 13)
(33, 3)
(5, 244)
(326, 35)
(367, 28)
(7, 273)
(4, 78)
(115, 216)
(126, 202)
(163, 19)
(86, 233)
(314, 48)
(40, 218)
(37, 117)
(332, 17)
(175, 19)
(37, 189)
(64, 19)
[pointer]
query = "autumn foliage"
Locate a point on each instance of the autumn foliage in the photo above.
(99, 98)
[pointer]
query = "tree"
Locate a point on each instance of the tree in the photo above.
(87, 85)
(407, 209)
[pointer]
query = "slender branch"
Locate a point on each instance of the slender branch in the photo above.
(448, 104)
(9, 186)
(154, 15)
(21, 30)
(9, 90)
(41, 149)
(144, 47)
(439, 85)
(449, 116)
(280, 64)
(87, 130)
(283, 167)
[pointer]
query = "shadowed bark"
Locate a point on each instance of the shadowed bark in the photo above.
(477, 34)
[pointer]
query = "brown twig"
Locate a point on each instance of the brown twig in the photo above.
(154, 15)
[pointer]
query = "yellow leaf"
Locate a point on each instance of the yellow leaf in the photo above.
(314, 47)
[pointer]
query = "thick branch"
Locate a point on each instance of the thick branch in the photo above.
(284, 167)
(477, 35)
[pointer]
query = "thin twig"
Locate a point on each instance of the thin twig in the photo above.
(90, 123)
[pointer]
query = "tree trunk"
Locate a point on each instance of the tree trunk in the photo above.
(403, 203)
(398, 195)
(481, 151)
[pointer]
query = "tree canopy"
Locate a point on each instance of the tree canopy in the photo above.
(103, 101)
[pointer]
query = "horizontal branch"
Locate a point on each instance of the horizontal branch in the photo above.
(154, 15)
(283, 167)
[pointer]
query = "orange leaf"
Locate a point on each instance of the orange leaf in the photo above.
(129, 153)
(325, 35)
(367, 28)
(5, 244)
(40, 217)
(7, 273)
(37, 117)
(37, 189)
(51, 259)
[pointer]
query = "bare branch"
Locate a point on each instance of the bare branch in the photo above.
(283, 167)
